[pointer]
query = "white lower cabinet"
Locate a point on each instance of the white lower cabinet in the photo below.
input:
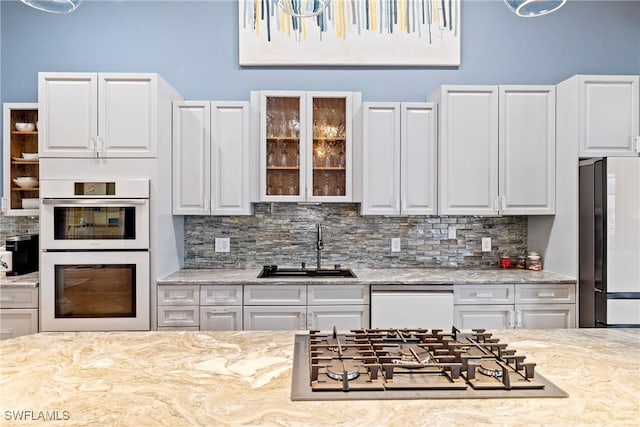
(344, 306)
(18, 312)
(221, 308)
(541, 306)
(275, 307)
(275, 318)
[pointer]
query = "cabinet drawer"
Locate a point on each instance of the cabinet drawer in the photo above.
(221, 318)
(545, 294)
(275, 295)
(221, 295)
(18, 297)
(337, 294)
(179, 295)
(179, 316)
(15, 322)
(483, 294)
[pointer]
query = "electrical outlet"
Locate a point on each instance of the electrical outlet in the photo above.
(452, 232)
(486, 244)
(395, 244)
(223, 244)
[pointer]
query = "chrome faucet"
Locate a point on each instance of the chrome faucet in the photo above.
(319, 247)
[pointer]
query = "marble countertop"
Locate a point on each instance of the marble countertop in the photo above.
(386, 276)
(244, 378)
(29, 280)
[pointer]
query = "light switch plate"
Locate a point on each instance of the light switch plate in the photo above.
(486, 244)
(395, 244)
(223, 244)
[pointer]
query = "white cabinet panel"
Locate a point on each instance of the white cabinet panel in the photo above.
(230, 143)
(16, 322)
(275, 318)
(399, 158)
(221, 295)
(178, 316)
(101, 114)
(418, 158)
(545, 294)
(337, 295)
(609, 115)
(468, 151)
(221, 318)
(211, 158)
(127, 115)
(545, 316)
(490, 316)
(381, 158)
(191, 157)
(179, 295)
(527, 150)
(342, 317)
(275, 295)
(483, 294)
(68, 121)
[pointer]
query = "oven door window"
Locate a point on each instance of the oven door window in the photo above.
(95, 290)
(94, 223)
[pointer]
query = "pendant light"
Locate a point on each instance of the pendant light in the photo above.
(54, 6)
(303, 8)
(531, 8)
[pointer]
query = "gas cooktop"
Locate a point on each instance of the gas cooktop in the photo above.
(412, 364)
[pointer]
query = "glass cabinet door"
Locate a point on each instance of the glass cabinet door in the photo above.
(306, 146)
(283, 153)
(331, 148)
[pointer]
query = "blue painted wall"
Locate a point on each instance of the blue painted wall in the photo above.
(194, 45)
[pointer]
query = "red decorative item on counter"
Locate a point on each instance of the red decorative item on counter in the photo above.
(505, 262)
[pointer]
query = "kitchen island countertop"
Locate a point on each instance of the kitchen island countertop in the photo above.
(365, 276)
(178, 378)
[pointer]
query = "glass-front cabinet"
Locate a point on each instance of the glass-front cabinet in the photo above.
(21, 165)
(306, 146)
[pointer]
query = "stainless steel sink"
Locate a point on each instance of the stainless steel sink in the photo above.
(273, 271)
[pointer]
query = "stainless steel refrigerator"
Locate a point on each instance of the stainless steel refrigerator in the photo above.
(609, 248)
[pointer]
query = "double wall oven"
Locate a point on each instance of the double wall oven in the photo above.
(94, 261)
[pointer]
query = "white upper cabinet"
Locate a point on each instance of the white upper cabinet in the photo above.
(211, 158)
(399, 158)
(609, 115)
(381, 158)
(497, 150)
(527, 148)
(468, 150)
(418, 158)
(191, 154)
(306, 145)
(100, 114)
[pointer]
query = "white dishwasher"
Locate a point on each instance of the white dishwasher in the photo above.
(412, 306)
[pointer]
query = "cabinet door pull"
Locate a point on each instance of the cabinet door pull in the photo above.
(503, 199)
(546, 294)
(7, 298)
(484, 294)
(177, 295)
(177, 316)
(518, 319)
(511, 323)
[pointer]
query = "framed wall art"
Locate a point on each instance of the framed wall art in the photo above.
(350, 33)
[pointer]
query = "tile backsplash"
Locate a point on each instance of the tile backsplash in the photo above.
(11, 225)
(285, 234)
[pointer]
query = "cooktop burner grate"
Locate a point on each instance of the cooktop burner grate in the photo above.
(411, 364)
